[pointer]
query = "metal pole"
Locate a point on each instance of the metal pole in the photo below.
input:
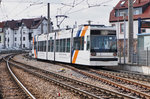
(147, 57)
(48, 28)
(71, 46)
(130, 30)
(54, 46)
(48, 16)
(120, 55)
(124, 49)
(21, 36)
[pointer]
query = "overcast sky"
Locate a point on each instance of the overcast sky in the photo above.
(77, 10)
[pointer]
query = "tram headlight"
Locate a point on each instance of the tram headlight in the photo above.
(93, 54)
(114, 54)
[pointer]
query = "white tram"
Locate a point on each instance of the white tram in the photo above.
(91, 45)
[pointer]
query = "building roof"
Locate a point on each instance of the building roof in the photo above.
(29, 23)
(123, 4)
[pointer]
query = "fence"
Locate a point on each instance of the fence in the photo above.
(142, 57)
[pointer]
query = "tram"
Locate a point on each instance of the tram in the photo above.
(90, 45)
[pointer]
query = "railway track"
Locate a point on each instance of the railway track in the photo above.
(119, 80)
(136, 92)
(10, 86)
(128, 74)
(137, 89)
(127, 82)
(84, 89)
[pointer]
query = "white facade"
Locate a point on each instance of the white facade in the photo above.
(22, 36)
(1, 39)
(9, 38)
(120, 35)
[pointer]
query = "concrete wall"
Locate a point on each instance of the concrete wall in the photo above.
(134, 68)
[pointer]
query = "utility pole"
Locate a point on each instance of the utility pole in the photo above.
(124, 49)
(48, 27)
(48, 16)
(130, 30)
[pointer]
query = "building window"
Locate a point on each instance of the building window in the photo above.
(23, 38)
(30, 36)
(143, 30)
(121, 28)
(0, 39)
(1, 30)
(113, 25)
(137, 11)
(8, 39)
(24, 46)
(15, 32)
(15, 39)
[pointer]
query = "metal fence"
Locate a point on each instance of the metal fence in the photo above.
(141, 57)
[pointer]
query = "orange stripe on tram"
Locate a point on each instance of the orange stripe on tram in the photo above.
(84, 30)
(33, 40)
(75, 56)
(35, 53)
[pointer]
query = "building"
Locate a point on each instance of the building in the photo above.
(19, 33)
(1, 35)
(141, 9)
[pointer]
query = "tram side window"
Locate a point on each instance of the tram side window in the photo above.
(78, 43)
(68, 45)
(35, 44)
(39, 44)
(57, 45)
(49, 45)
(63, 45)
(44, 46)
(88, 43)
(82, 43)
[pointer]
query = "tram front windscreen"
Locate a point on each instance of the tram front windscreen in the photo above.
(105, 43)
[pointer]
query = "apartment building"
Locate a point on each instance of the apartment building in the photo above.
(1, 35)
(141, 9)
(19, 33)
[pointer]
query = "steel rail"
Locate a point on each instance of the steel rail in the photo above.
(121, 79)
(79, 82)
(18, 82)
(81, 92)
(138, 93)
(127, 74)
(117, 85)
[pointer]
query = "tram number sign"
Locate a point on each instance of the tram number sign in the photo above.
(145, 24)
